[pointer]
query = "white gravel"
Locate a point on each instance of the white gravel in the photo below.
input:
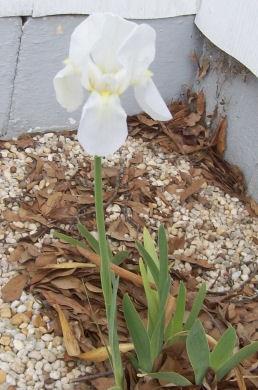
(32, 358)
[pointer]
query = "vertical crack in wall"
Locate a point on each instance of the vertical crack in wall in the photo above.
(6, 126)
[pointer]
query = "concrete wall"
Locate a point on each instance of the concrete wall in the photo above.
(234, 89)
(10, 35)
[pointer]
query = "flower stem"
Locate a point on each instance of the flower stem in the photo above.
(105, 272)
(109, 283)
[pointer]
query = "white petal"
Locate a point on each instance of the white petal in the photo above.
(138, 51)
(103, 127)
(150, 100)
(69, 92)
(84, 37)
(115, 32)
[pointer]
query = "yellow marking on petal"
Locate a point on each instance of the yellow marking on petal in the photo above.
(105, 93)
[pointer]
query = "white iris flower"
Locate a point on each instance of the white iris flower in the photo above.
(107, 55)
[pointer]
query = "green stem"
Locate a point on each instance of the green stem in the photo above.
(105, 273)
(109, 289)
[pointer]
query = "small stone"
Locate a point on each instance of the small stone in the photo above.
(35, 355)
(18, 344)
(18, 224)
(47, 337)
(19, 318)
(37, 321)
(18, 367)
(54, 374)
(5, 340)
(21, 309)
(5, 312)
(2, 377)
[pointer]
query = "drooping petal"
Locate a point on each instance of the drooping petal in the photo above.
(115, 31)
(150, 100)
(69, 92)
(138, 51)
(103, 127)
(84, 37)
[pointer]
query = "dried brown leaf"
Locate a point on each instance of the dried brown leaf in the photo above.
(70, 342)
(192, 189)
(14, 288)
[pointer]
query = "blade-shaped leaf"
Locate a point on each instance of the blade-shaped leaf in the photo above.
(172, 378)
(148, 260)
(196, 308)
(70, 240)
(224, 349)
(241, 355)
(138, 334)
(113, 337)
(149, 245)
(91, 240)
(157, 337)
(176, 323)
(151, 297)
(120, 257)
(156, 340)
(163, 258)
(198, 351)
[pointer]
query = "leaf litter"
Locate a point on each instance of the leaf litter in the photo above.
(66, 278)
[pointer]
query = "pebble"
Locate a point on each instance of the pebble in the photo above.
(18, 344)
(5, 311)
(20, 318)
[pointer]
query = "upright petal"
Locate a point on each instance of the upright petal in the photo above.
(84, 37)
(103, 127)
(105, 52)
(138, 51)
(69, 92)
(150, 100)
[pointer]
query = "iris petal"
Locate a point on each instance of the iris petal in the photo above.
(68, 88)
(138, 51)
(103, 127)
(150, 100)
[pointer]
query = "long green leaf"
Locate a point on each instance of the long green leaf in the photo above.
(138, 334)
(113, 337)
(91, 240)
(198, 351)
(157, 337)
(120, 257)
(172, 378)
(176, 323)
(196, 308)
(148, 260)
(149, 245)
(241, 355)
(152, 299)
(70, 240)
(224, 349)
(163, 258)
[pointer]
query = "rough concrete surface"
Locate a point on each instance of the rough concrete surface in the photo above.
(44, 46)
(235, 90)
(10, 33)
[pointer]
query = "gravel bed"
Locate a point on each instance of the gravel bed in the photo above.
(222, 233)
